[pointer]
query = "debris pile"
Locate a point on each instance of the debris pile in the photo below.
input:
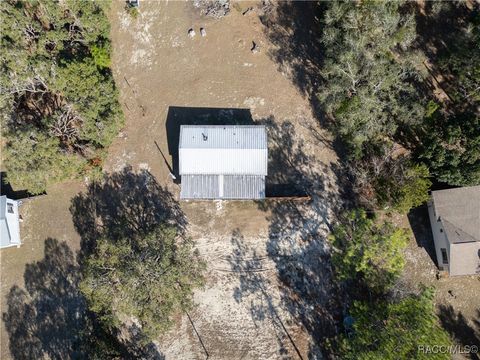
(213, 8)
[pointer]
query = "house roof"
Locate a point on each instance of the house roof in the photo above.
(223, 137)
(459, 211)
(223, 150)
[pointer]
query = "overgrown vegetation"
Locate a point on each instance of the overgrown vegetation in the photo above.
(149, 278)
(369, 73)
(368, 252)
(400, 137)
(375, 91)
(59, 101)
(368, 257)
(394, 330)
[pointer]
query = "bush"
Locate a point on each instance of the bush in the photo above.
(146, 277)
(398, 330)
(367, 252)
(384, 179)
(34, 160)
(58, 87)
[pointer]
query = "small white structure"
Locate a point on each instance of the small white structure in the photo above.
(9, 223)
(223, 161)
(455, 220)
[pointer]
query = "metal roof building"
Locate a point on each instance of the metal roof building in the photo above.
(223, 161)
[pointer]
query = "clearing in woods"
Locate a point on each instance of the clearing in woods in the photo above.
(269, 291)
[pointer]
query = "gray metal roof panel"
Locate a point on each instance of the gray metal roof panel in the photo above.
(199, 187)
(239, 187)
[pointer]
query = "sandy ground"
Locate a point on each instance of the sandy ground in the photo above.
(269, 294)
(242, 312)
(44, 217)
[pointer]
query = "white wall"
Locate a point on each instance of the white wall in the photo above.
(439, 238)
(465, 258)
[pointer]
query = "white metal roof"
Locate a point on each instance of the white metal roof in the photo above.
(223, 150)
(223, 137)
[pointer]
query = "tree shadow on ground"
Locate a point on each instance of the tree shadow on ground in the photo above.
(422, 231)
(438, 30)
(49, 319)
(459, 328)
(445, 28)
(294, 28)
(124, 204)
(297, 246)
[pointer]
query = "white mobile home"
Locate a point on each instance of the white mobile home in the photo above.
(9, 223)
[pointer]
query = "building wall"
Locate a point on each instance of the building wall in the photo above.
(10, 229)
(465, 258)
(439, 237)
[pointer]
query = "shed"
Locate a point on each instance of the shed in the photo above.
(223, 161)
(9, 223)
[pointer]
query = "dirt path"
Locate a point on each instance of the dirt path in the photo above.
(246, 311)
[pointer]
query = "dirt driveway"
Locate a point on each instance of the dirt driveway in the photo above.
(258, 257)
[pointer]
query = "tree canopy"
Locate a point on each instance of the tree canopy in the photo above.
(369, 77)
(149, 278)
(59, 101)
(367, 251)
(386, 330)
(451, 147)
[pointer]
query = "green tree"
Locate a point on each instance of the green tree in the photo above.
(394, 330)
(55, 82)
(450, 147)
(369, 71)
(148, 277)
(366, 251)
(35, 160)
(385, 180)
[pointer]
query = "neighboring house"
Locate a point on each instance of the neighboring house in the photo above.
(455, 219)
(9, 222)
(223, 162)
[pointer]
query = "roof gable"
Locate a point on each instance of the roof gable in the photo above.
(459, 210)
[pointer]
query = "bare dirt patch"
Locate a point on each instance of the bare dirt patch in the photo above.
(44, 217)
(264, 298)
